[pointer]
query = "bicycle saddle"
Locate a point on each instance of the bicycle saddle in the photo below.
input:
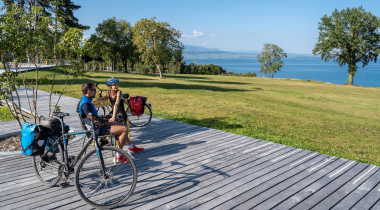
(126, 95)
(60, 114)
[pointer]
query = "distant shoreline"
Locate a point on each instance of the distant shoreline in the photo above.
(307, 68)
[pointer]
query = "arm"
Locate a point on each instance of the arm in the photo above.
(86, 108)
(104, 97)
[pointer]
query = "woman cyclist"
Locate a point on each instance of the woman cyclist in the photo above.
(115, 95)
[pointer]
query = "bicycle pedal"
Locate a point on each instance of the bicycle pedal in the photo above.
(64, 185)
(104, 142)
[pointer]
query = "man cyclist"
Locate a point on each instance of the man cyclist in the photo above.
(108, 128)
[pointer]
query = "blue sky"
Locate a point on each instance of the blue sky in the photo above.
(228, 25)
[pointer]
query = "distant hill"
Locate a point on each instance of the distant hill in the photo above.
(196, 52)
(246, 51)
(191, 48)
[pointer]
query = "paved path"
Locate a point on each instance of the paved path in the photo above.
(191, 167)
(25, 67)
(67, 104)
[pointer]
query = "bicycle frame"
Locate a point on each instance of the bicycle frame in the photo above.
(63, 139)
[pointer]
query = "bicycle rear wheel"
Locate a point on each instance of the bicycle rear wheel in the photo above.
(46, 168)
(101, 111)
(105, 192)
(139, 120)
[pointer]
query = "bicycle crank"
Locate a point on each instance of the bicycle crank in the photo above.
(63, 172)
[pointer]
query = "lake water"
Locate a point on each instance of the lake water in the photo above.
(303, 68)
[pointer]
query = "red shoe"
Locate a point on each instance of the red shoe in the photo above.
(122, 159)
(136, 149)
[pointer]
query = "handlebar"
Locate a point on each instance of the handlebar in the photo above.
(96, 118)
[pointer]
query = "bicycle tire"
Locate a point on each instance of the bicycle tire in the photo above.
(139, 120)
(47, 171)
(89, 180)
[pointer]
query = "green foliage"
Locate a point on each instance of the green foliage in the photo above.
(142, 68)
(248, 74)
(70, 44)
(56, 108)
(205, 69)
(43, 80)
(270, 59)
(349, 36)
(64, 10)
(157, 42)
(111, 42)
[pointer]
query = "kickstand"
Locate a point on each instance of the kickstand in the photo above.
(64, 185)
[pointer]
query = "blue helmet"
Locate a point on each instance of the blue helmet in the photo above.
(112, 81)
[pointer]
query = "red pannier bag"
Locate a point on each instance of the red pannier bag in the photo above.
(137, 105)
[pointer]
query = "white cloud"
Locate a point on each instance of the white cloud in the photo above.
(86, 36)
(196, 34)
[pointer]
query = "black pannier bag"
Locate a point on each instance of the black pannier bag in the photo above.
(54, 124)
(33, 139)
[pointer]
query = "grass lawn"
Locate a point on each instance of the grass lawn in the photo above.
(337, 120)
(5, 115)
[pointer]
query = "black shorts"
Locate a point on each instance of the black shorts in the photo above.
(103, 130)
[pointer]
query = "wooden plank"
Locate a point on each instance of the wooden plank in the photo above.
(219, 164)
(297, 171)
(32, 175)
(209, 187)
(324, 169)
(319, 190)
(141, 192)
(13, 206)
(363, 189)
(344, 190)
(369, 200)
(142, 156)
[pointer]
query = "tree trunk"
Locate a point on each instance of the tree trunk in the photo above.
(35, 99)
(351, 71)
(351, 79)
(159, 70)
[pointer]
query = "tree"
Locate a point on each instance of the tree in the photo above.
(13, 42)
(348, 37)
(156, 42)
(270, 59)
(115, 37)
(64, 9)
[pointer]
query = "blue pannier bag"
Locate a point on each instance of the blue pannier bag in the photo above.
(33, 139)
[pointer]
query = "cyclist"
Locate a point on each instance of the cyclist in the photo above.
(109, 128)
(114, 95)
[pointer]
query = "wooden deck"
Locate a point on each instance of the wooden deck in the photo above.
(190, 167)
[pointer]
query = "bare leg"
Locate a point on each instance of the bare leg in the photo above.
(122, 132)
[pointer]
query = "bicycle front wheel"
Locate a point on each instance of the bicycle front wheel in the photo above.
(105, 191)
(46, 168)
(139, 120)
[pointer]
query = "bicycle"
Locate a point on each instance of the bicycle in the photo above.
(135, 120)
(100, 181)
